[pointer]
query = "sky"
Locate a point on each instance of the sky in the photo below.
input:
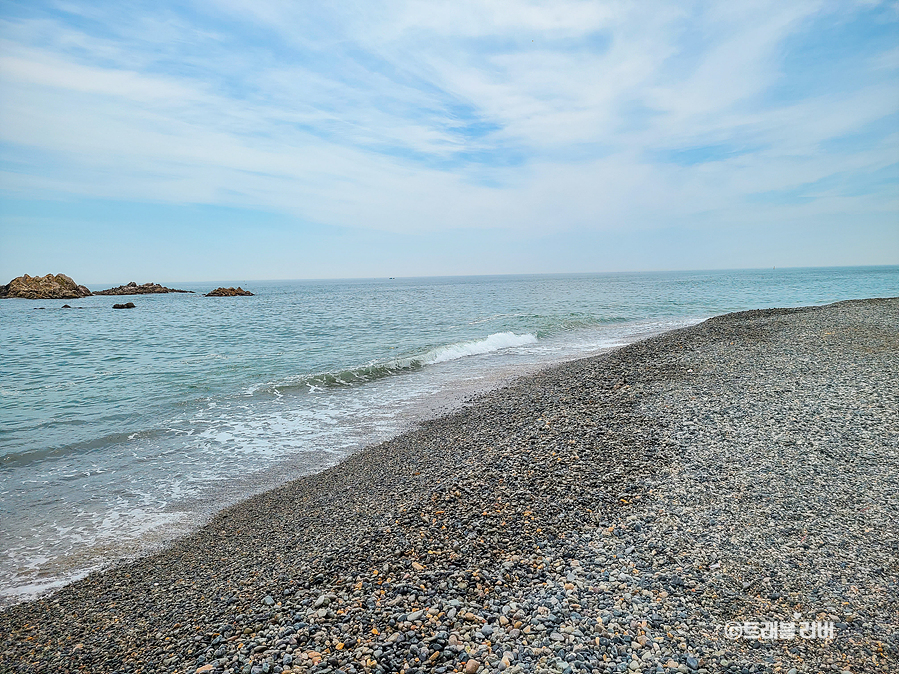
(275, 139)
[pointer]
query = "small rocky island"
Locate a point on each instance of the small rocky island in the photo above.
(229, 292)
(143, 289)
(49, 287)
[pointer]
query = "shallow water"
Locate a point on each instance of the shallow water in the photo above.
(121, 429)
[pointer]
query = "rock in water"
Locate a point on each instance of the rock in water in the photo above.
(49, 287)
(127, 305)
(143, 289)
(228, 292)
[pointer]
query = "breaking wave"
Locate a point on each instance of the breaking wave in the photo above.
(374, 371)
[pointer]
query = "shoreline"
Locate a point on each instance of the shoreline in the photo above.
(181, 518)
(572, 507)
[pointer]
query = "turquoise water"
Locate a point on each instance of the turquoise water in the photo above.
(121, 429)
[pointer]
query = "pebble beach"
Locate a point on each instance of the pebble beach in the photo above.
(623, 513)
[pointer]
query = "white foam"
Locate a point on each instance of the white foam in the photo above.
(494, 342)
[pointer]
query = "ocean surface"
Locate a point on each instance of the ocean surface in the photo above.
(122, 429)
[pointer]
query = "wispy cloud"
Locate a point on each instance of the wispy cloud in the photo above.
(425, 116)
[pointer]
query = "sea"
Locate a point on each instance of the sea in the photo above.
(121, 430)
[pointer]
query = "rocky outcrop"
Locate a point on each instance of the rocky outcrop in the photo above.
(143, 289)
(228, 292)
(127, 305)
(49, 287)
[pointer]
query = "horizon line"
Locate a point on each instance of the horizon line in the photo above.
(503, 275)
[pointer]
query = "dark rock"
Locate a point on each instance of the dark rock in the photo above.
(127, 305)
(49, 287)
(143, 289)
(229, 292)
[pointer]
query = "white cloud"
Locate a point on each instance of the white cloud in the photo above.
(42, 70)
(358, 117)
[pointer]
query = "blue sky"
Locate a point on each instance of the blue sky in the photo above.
(266, 139)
